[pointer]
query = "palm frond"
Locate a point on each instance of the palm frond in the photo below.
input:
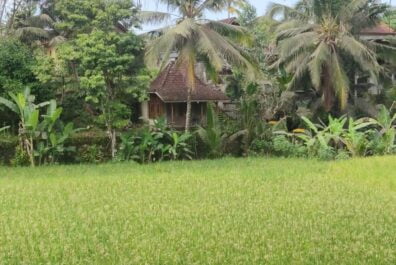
(160, 49)
(232, 54)
(292, 45)
(154, 17)
(236, 33)
(205, 46)
(294, 62)
(57, 40)
(301, 69)
(349, 11)
(211, 5)
(31, 32)
(285, 12)
(318, 58)
(365, 57)
(340, 80)
(291, 29)
(41, 20)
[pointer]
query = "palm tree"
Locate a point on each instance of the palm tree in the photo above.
(318, 38)
(197, 39)
(36, 26)
(233, 5)
(39, 30)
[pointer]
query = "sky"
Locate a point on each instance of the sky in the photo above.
(261, 6)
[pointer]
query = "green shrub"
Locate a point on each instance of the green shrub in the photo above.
(326, 153)
(8, 146)
(92, 154)
(342, 155)
(155, 143)
(90, 147)
(21, 158)
(260, 147)
(284, 147)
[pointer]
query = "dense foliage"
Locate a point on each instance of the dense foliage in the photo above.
(302, 80)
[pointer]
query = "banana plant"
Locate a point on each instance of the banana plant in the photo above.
(316, 137)
(354, 138)
(38, 135)
(387, 131)
(4, 128)
(51, 143)
(212, 134)
(128, 147)
(28, 112)
(179, 148)
(335, 129)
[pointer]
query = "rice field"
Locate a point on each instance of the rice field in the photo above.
(230, 211)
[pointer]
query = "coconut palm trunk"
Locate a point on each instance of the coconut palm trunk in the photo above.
(327, 89)
(188, 59)
(188, 111)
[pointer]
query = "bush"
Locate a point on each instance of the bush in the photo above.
(90, 147)
(260, 147)
(284, 147)
(327, 153)
(156, 143)
(92, 154)
(8, 145)
(21, 158)
(342, 155)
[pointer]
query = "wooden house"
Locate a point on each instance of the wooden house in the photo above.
(168, 97)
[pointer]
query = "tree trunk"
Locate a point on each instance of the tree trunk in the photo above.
(113, 142)
(328, 89)
(188, 111)
(15, 8)
(2, 10)
(30, 150)
(189, 61)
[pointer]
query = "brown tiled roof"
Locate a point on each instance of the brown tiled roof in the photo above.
(171, 86)
(380, 29)
(231, 21)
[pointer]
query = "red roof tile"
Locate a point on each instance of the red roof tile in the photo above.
(380, 29)
(171, 86)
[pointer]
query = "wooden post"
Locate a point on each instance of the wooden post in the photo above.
(173, 121)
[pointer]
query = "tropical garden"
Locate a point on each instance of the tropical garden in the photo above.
(299, 170)
(303, 80)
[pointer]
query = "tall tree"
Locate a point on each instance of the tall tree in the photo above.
(106, 58)
(194, 38)
(317, 38)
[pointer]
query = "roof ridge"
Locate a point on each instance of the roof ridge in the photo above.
(170, 65)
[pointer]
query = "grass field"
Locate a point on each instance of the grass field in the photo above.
(231, 211)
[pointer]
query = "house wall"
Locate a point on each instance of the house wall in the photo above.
(176, 114)
(156, 107)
